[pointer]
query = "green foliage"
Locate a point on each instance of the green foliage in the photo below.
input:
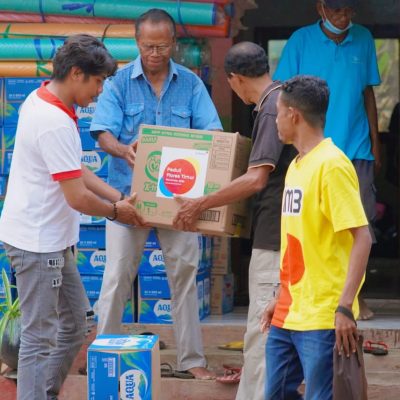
(10, 309)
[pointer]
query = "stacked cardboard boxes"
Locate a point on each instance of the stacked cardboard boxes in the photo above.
(154, 296)
(222, 280)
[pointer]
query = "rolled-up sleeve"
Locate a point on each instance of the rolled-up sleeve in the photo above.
(109, 113)
(204, 113)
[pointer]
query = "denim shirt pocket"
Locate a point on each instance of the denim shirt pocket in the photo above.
(133, 117)
(181, 116)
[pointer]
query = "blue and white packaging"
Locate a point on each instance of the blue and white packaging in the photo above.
(92, 262)
(92, 220)
(5, 170)
(18, 89)
(152, 241)
(207, 293)
(152, 262)
(88, 143)
(92, 237)
(154, 311)
(123, 368)
(96, 161)
(85, 114)
(8, 137)
(128, 317)
(154, 287)
(4, 261)
(3, 184)
(92, 285)
(2, 289)
(11, 113)
(200, 295)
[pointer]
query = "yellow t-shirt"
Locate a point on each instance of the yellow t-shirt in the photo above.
(321, 202)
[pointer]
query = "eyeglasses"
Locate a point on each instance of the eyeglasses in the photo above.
(160, 49)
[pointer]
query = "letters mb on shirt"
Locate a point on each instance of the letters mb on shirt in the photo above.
(292, 201)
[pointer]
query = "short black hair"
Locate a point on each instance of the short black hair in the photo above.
(247, 59)
(308, 94)
(85, 52)
(155, 16)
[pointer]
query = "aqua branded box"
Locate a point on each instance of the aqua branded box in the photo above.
(92, 285)
(7, 158)
(96, 161)
(4, 261)
(92, 220)
(92, 237)
(88, 143)
(128, 316)
(124, 368)
(91, 261)
(152, 262)
(8, 137)
(155, 311)
(85, 114)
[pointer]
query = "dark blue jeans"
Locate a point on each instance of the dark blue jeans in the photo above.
(293, 356)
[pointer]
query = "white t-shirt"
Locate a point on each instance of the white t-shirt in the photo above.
(36, 216)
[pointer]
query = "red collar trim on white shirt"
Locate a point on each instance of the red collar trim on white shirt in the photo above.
(49, 97)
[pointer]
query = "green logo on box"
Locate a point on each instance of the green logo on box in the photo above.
(153, 165)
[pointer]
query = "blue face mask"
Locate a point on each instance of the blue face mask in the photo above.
(332, 28)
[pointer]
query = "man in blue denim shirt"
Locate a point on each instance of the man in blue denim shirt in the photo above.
(151, 90)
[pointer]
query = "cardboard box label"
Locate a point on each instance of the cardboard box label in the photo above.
(182, 172)
(190, 162)
(156, 311)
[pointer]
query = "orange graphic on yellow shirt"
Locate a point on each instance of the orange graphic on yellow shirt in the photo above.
(292, 271)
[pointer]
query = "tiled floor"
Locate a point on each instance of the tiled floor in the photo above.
(387, 316)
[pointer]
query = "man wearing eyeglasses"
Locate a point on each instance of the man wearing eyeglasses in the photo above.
(343, 54)
(152, 89)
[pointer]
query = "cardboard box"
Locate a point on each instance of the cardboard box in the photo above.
(154, 311)
(18, 89)
(221, 256)
(96, 161)
(190, 163)
(92, 237)
(152, 241)
(91, 261)
(8, 137)
(128, 317)
(154, 287)
(124, 367)
(222, 294)
(92, 220)
(88, 143)
(85, 114)
(4, 261)
(2, 289)
(207, 294)
(3, 184)
(6, 166)
(92, 285)
(152, 262)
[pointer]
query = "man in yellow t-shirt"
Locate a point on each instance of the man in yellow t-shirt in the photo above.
(325, 243)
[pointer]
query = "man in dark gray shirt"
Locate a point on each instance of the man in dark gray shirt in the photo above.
(248, 75)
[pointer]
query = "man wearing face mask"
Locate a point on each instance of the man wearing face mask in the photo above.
(343, 54)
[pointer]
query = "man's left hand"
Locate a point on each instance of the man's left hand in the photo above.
(186, 217)
(346, 334)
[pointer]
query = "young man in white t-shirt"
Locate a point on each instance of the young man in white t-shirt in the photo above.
(48, 187)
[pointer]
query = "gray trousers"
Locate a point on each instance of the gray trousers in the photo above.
(53, 321)
(263, 282)
(181, 255)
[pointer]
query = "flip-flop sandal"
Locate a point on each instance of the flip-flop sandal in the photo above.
(230, 377)
(375, 348)
(184, 375)
(166, 370)
(161, 343)
(235, 346)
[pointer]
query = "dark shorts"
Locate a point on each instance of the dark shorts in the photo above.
(365, 173)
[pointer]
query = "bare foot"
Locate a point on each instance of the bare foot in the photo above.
(202, 373)
(365, 312)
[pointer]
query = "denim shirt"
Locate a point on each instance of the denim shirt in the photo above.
(128, 100)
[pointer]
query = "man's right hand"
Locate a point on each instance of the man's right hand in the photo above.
(130, 153)
(127, 213)
(266, 318)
